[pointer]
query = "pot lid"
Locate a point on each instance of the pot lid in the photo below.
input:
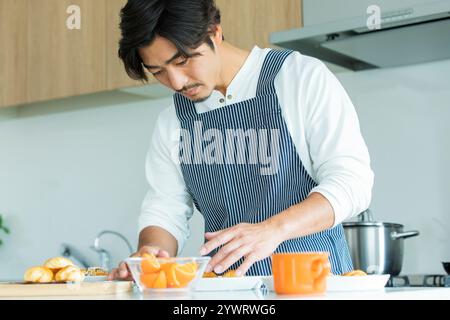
(372, 224)
(365, 219)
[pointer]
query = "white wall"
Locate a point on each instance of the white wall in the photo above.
(69, 169)
(405, 119)
(72, 167)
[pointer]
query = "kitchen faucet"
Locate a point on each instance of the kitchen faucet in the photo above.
(105, 255)
(69, 251)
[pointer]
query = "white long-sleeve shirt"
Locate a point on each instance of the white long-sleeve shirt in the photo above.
(320, 118)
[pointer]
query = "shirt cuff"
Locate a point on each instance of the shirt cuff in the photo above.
(339, 201)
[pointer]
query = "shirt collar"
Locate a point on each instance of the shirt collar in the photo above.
(246, 73)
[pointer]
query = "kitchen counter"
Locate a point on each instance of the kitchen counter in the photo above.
(409, 293)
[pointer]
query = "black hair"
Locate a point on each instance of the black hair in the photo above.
(186, 23)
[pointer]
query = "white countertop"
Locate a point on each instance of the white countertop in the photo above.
(384, 294)
(410, 293)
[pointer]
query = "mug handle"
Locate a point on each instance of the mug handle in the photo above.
(320, 268)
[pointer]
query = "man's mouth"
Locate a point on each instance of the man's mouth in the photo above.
(192, 91)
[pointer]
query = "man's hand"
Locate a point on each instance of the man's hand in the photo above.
(252, 241)
(122, 272)
(258, 241)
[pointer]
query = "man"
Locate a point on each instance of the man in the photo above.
(266, 144)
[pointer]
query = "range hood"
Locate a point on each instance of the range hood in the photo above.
(416, 32)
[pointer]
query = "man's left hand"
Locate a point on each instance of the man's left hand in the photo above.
(252, 241)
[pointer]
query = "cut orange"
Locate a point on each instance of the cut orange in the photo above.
(169, 269)
(166, 275)
(161, 281)
(156, 280)
(355, 273)
(167, 265)
(209, 275)
(229, 274)
(149, 279)
(185, 273)
(149, 263)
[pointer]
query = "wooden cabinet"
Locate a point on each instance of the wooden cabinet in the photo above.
(63, 62)
(42, 59)
(13, 27)
(249, 22)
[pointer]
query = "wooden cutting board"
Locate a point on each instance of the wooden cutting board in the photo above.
(20, 289)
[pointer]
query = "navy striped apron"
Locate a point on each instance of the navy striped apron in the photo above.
(228, 193)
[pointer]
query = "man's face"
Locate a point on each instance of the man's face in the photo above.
(194, 77)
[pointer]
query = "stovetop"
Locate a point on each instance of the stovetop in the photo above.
(419, 280)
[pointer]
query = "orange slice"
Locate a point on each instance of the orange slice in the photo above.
(161, 281)
(166, 275)
(156, 280)
(169, 269)
(185, 273)
(149, 279)
(355, 273)
(149, 263)
(209, 275)
(229, 274)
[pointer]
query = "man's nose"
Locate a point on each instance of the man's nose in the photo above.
(177, 80)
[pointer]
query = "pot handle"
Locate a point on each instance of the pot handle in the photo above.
(404, 235)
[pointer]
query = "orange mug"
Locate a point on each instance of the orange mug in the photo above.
(301, 272)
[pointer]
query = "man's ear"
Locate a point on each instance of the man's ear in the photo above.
(217, 34)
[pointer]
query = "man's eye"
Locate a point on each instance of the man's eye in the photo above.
(182, 62)
(156, 73)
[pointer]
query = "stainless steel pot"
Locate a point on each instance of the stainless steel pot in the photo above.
(376, 247)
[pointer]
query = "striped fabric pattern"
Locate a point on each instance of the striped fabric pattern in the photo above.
(231, 193)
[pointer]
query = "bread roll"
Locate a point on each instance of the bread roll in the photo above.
(69, 274)
(38, 275)
(56, 264)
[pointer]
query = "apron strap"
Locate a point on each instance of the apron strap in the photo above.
(271, 66)
(184, 107)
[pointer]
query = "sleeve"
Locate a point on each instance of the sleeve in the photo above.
(340, 158)
(167, 203)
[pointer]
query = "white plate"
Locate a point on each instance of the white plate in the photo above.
(225, 283)
(357, 283)
(346, 283)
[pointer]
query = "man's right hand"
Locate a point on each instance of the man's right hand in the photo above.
(123, 273)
